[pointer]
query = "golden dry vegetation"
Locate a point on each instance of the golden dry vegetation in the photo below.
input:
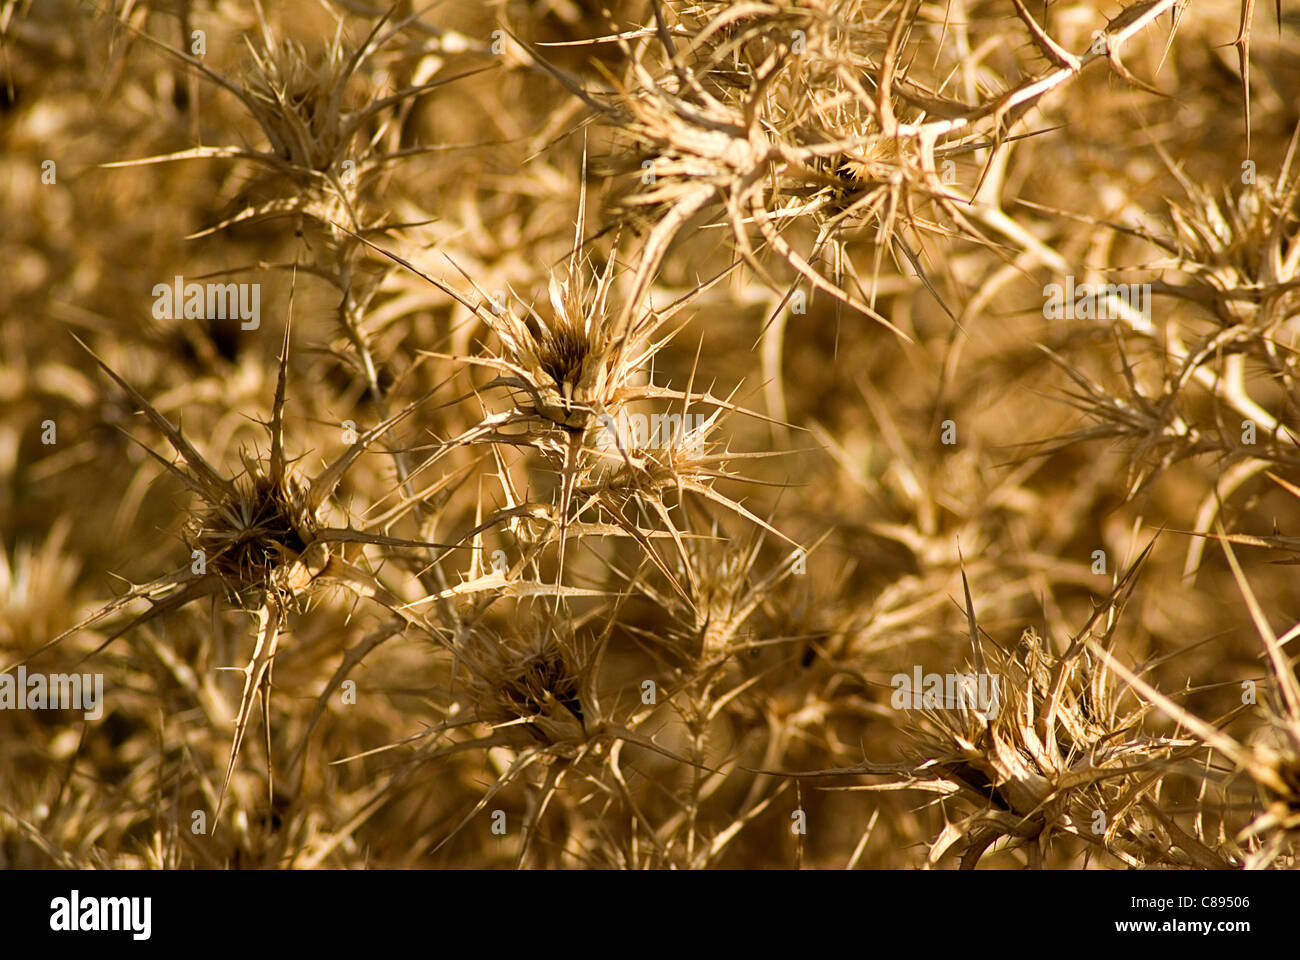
(631, 398)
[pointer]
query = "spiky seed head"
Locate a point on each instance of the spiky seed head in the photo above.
(250, 539)
(297, 102)
(529, 680)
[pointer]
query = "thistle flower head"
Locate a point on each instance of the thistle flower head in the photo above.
(569, 363)
(252, 535)
(298, 101)
(528, 682)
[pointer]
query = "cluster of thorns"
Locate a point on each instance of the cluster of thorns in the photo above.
(779, 122)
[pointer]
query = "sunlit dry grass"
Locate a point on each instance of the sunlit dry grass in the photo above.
(633, 400)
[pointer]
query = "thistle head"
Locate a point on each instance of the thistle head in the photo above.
(529, 681)
(297, 101)
(251, 537)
